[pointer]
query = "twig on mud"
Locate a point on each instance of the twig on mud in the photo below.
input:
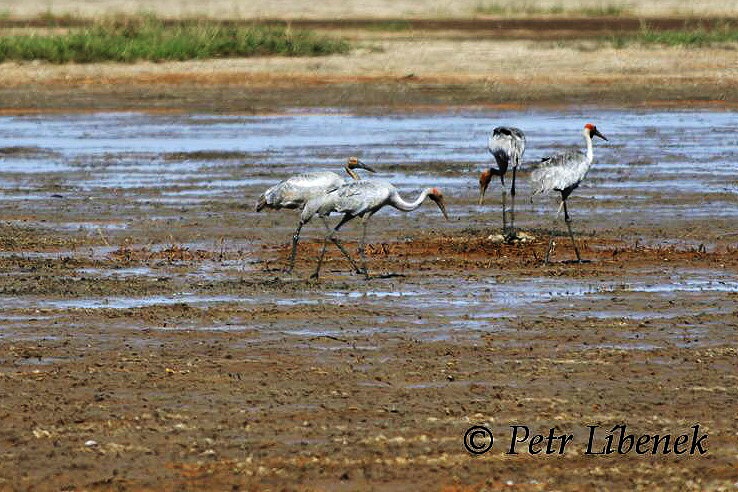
(99, 231)
(222, 249)
(332, 338)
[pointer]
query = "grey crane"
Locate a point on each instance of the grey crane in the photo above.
(563, 172)
(507, 145)
(297, 190)
(362, 199)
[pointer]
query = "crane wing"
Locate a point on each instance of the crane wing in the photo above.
(295, 191)
(507, 145)
(558, 171)
(361, 197)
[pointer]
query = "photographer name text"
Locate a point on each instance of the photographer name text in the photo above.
(616, 440)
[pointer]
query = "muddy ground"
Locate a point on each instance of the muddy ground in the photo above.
(149, 339)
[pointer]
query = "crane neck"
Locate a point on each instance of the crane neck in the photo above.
(590, 150)
(400, 204)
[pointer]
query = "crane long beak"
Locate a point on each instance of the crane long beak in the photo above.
(484, 180)
(439, 201)
(482, 190)
(361, 165)
(598, 134)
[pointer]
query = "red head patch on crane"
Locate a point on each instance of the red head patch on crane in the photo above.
(593, 132)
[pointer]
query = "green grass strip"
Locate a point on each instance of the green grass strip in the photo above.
(527, 8)
(147, 38)
(689, 37)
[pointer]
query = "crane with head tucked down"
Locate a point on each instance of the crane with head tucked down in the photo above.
(362, 199)
(296, 191)
(563, 172)
(507, 145)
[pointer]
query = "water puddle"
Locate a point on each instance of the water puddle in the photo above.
(38, 361)
(119, 272)
(112, 302)
(648, 151)
(39, 165)
(693, 284)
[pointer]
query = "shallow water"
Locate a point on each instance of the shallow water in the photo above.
(148, 164)
(453, 306)
(690, 151)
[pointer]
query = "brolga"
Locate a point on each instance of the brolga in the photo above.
(296, 191)
(507, 145)
(563, 172)
(362, 199)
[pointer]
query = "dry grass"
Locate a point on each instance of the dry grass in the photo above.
(297, 9)
(401, 72)
(515, 62)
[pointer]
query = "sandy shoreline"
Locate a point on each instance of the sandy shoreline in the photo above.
(393, 70)
(202, 88)
(352, 9)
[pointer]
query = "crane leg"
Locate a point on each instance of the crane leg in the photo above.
(504, 211)
(339, 245)
(341, 248)
(567, 219)
(331, 237)
(551, 246)
(512, 208)
(316, 274)
(362, 247)
(293, 253)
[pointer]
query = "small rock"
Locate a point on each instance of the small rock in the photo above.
(39, 433)
(512, 238)
(524, 237)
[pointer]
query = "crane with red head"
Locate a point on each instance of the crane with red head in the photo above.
(563, 172)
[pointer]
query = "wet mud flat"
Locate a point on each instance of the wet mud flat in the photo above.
(150, 340)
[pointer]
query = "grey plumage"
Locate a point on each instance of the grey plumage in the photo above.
(507, 145)
(296, 191)
(560, 172)
(563, 172)
(362, 199)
